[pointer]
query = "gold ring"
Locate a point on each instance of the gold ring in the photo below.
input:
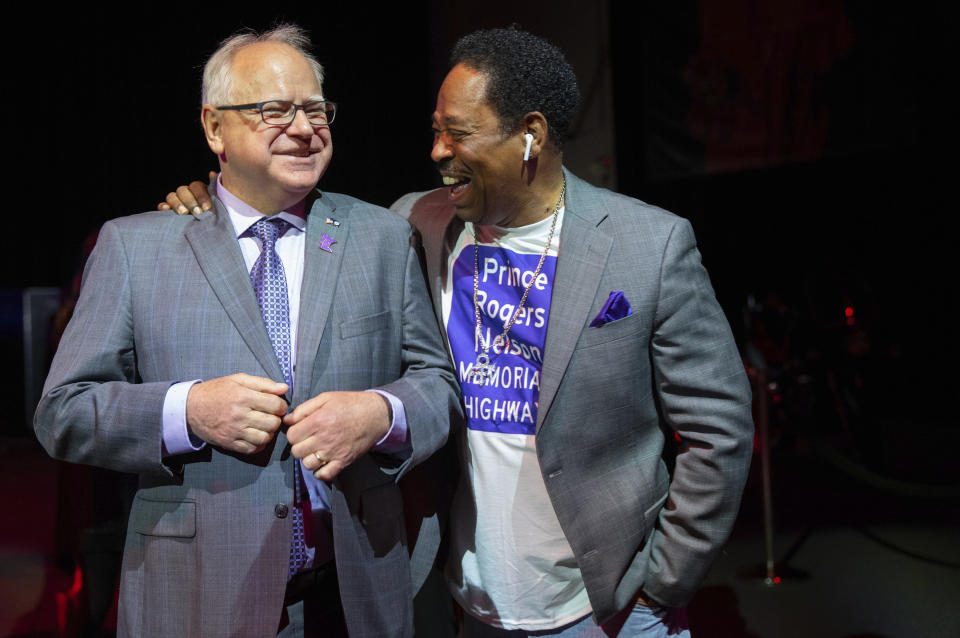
(320, 458)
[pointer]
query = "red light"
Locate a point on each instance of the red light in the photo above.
(848, 312)
(776, 580)
(77, 583)
(68, 602)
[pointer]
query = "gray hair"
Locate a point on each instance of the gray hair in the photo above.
(217, 80)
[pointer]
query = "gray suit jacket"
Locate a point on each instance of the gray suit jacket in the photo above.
(168, 298)
(613, 396)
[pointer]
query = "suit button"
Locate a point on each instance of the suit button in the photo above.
(281, 510)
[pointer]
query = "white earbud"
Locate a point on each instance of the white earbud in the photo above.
(526, 153)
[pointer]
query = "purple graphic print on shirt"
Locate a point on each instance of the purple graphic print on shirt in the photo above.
(507, 402)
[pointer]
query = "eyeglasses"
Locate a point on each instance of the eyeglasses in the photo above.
(282, 112)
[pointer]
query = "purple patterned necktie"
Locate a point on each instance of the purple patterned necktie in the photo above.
(270, 286)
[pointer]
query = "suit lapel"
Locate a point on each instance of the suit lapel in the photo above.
(320, 273)
(214, 243)
(580, 264)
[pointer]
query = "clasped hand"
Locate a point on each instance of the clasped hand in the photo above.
(333, 429)
(242, 413)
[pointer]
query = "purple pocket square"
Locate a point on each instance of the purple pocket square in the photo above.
(617, 307)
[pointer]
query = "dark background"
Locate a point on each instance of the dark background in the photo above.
(811, 144)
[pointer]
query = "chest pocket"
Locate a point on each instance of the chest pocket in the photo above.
(365, 325)
(176, 519)
(635, 326)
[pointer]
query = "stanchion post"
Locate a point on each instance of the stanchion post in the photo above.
(763, 434)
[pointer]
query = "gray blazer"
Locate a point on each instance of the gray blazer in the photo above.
(168, 298)
(613, 396)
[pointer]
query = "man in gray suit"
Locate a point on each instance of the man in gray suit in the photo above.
(194, 336)
(609, 425)
(608, 414)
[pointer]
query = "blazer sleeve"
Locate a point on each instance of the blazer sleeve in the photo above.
(705, 398)
(94, 410)
(427, 387)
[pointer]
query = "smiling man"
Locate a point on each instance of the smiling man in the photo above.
(609, 422)
(226, 358)
(587, 341)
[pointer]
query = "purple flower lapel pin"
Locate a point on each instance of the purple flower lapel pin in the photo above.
(617, 307)
(326, 241)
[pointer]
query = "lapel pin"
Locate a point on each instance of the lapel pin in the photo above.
(333, 222)
(326, 241)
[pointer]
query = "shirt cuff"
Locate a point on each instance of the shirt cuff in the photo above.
(396, 442)
(177, 438)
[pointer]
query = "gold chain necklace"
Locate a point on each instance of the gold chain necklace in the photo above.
(481, 367)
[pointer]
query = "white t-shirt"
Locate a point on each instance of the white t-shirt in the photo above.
(511, 565)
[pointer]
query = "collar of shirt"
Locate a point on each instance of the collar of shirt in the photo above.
(243, 216)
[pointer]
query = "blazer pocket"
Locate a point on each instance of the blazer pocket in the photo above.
(177, 519)
(628, 327)
(364, 325)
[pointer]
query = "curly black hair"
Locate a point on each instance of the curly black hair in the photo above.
(525, 73)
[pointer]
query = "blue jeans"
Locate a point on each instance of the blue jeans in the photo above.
(638, 621)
